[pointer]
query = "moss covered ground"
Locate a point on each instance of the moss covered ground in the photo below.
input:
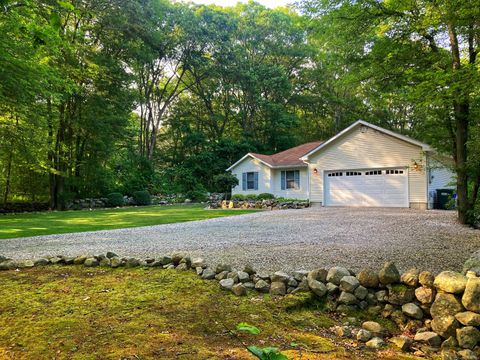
(95, 313)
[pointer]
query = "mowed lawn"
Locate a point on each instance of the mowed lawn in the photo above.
(98, 313)
(60, 222)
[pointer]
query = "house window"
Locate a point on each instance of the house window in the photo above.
(394, 172)
(290, 180)
(374, 172)
(250, 180)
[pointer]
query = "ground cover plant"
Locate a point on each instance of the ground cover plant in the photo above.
(45, 223)
(96, 313)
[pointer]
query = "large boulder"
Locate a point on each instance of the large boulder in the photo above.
(262, 286)
(374, 328)
(317, 274)
(450, 282)
(471, 295)
(389, 274)
(278, 288)
(428, 337)
(239, 289)
(426, 278)
(208, 274)
(335, 274)
(280, 276)
(468, 337)
(347, 298)
(426, 295)
(349, 283)
(445, 305)
(226, 284)
(317, 287)
(412, 310)
(410, 277)
(399, 294)
(445, 326)
(368, 278)
(468, 318)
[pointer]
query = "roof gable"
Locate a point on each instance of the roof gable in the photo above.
(407, 139)
(286, 158)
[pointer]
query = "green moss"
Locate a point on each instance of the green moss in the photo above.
(78, 313)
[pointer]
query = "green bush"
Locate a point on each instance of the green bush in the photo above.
(115, 199)
(197, 195)
(251, 197)
(142, 197)
(238, 197)
(265, 196)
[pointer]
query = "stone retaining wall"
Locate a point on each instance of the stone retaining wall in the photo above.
(273, 204)
(433, 312)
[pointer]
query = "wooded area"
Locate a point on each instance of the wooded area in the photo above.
(111, 95)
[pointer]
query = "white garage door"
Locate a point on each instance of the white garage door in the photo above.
(371, 187)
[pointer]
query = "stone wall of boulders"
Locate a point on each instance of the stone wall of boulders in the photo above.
(270, 204)
(433, 313)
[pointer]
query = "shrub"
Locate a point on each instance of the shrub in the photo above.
(238, 197)
(142, 197)
(197, 195)
(251, 197)
(115, 199)
(265, 196)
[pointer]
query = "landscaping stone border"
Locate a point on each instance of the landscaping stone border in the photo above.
(270, 204)
(434, 313)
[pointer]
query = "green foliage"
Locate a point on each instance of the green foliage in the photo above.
(265, 196)
(238, 197)
(248, 328)
(142, 197)
(267, 353)
(115, 199)
(225, 182)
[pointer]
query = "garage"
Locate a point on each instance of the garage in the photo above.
(367, 187)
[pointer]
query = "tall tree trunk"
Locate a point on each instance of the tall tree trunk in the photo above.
(461, 109)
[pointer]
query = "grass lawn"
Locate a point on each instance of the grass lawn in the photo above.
(96, 313)
(60, 222)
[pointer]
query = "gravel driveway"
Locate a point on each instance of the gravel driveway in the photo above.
(286, 240)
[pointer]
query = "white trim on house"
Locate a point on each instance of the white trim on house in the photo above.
(244, 157)
(424, 146)
(266, 164)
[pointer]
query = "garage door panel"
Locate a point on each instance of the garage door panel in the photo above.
(387, 188)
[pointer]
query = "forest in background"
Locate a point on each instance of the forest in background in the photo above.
(106, 96)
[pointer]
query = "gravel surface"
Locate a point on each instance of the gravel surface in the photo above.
(283, 240)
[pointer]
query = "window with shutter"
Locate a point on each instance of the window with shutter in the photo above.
(250, 181)
(291, 179)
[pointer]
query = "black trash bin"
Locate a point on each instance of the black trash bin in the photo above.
(444, 198)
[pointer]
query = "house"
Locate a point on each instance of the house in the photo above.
(363, 165)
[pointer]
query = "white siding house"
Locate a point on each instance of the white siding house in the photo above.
(364, 165)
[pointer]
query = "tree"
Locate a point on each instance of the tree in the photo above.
(420, 58)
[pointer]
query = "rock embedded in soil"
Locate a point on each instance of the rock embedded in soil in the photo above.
(402, 342)
(375, 328)
(428, 337)
(226, 284)
(375, 343)
(412, 310)
(208, 274)
(239, 289)
(278, 288)
(424, 294)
